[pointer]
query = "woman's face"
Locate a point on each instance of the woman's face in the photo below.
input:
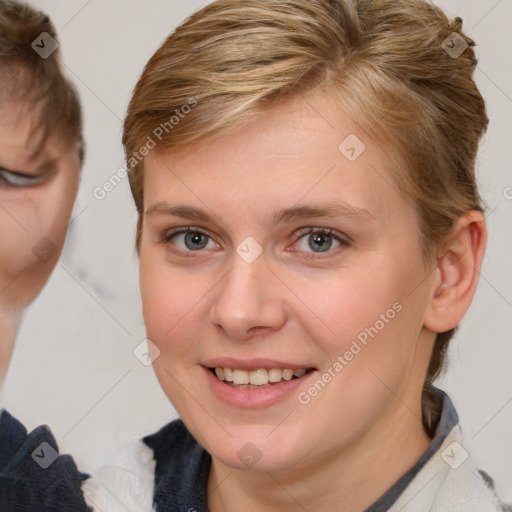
(300, 255)
(37, 192)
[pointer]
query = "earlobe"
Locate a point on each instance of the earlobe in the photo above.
(457, 273)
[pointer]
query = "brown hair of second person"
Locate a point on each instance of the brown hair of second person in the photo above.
(27, 77)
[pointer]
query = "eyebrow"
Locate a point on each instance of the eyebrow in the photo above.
(280, 216)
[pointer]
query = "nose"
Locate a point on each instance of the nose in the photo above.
(248, 300)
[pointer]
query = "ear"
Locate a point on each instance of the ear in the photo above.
(456, 273)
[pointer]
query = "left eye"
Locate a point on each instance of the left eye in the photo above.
(319, 241)
(16, 179)
(192, 241)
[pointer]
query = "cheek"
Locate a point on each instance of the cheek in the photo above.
(368, 330)
(14, 241)
(347, 303)
(172, 314)
(35, 225)
(170, 302)
(367, 338)
(56, 206)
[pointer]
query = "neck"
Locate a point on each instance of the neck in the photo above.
(351, 479)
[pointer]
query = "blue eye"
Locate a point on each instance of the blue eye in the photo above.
(312, 240)
(16, 179)
(320, 240)
(190, 240)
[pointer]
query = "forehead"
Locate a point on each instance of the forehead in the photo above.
(304, 150)
(23, 143)
(17, 127)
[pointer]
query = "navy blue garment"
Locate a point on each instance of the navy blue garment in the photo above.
(181, 471)
(33, 477)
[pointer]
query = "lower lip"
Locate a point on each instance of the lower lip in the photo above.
(255, 397)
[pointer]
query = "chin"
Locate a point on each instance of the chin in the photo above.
(253, 449)
(250, 458)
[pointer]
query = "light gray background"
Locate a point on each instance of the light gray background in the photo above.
(73, 366)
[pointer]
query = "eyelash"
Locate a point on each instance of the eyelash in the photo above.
(18, 180)
(344, 241)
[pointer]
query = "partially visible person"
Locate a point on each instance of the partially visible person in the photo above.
(41, 152)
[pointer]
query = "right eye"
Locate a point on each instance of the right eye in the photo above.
(17, 179)
(190, 240)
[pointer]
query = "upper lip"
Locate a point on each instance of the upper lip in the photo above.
(252, 364)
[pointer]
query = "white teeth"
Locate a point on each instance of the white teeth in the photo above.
(259, 377)
(228, 374)
(275, 374)
(240, 377)
(287, 374)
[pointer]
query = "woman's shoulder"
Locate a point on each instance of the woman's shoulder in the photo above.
(33, 475)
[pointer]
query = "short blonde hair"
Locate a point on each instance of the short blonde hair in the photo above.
(389, 64)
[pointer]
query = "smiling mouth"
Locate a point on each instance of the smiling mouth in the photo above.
(260, 378)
